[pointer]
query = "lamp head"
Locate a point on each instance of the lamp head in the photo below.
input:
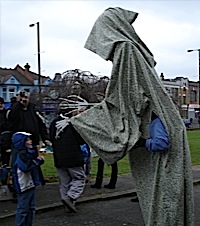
(31, 25)
(189, 50)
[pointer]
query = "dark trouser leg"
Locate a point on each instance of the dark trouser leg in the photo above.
(99, 177)
(113, 178)
(100, 168)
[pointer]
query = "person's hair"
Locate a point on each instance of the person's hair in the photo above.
(23, 93)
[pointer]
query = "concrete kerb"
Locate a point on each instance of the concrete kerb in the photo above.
(96, 197)
(83, 199)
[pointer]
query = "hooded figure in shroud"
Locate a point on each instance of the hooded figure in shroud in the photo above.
(112, 127)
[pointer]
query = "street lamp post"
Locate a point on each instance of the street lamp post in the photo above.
(191, 50)
(38, 53)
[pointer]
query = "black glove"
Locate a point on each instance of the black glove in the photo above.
(140, 143)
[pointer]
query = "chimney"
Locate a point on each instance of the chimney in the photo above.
(162, 77)
(58, 77)
(27, 67)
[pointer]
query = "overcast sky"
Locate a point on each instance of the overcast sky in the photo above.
(168, 28)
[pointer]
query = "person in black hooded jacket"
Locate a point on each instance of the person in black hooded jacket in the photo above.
(24, 117)
(68, 159)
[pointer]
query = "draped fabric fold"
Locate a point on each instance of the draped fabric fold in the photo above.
(111, 128)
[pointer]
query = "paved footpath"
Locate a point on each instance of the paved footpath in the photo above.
(48, 198)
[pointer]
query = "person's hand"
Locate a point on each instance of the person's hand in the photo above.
(40, 160)
(40, 157)
(48, 143)
(140, 143)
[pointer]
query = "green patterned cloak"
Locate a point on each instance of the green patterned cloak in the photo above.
(163, 180)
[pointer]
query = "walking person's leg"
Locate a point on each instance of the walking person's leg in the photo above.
(76, 187)
(77, 183)
(99, 177)
(113, 178)
(64, 181)
(31, 211)
(22, 212)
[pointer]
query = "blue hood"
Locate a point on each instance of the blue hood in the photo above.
(19, 139)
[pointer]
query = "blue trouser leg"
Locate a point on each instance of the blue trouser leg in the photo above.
(25, 208)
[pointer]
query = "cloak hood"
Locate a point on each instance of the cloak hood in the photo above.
(112, 27)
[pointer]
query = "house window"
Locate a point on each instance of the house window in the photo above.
(193, 95)
(4, 93)
(12, 81)
(11, 92)
(184, 99)
(27, 90)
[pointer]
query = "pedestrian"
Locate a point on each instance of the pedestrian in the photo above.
(68, 158)
(13, 100)
(5, 138)
(23, 117)
(163, 180)
(27, 175)
(87, 158)
(159, 138)
(99, 176)
(86, 152)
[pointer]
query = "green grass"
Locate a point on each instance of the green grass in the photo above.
(49, 170)
(123, 167)
(194, 143)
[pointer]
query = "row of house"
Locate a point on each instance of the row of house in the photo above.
(18, 78)
(184, 93)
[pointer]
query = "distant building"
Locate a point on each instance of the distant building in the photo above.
(185, 95)
(13, 80)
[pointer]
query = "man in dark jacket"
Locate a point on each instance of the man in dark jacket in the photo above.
(4, 134)
(24, 118)
(68, 159)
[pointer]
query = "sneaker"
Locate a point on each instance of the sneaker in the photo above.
(67, 210)
(70, 204)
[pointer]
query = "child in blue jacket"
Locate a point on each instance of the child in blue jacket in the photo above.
(27, 175)
(159, 139)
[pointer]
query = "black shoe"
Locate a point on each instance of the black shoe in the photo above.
(98, 186)
(135, 199)
(109, 186)
(70, 204)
